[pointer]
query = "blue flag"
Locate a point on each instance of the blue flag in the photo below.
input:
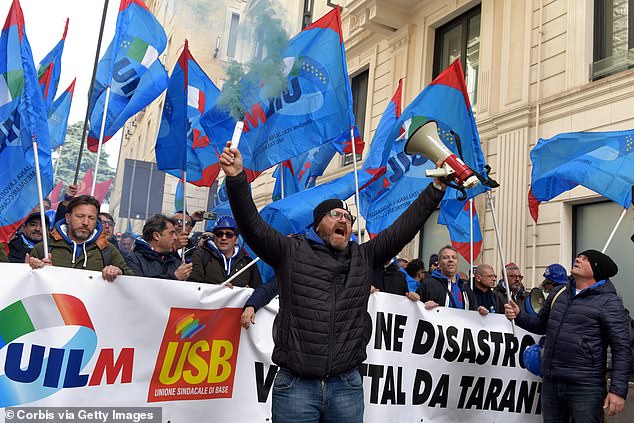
(293, 214)
(22, 120)
(301, 172)
(455, 215)
(58, 119)
(445, 101)
(131, 68)
(190, 93)
(314, 110)
(600, 161)
(50, 70)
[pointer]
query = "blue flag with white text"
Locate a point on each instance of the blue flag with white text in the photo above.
(182, 143)
(22, 121)
(445, 101)
(130, 67)
(314, 110)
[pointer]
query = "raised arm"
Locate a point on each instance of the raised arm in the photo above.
(266, 242)
(393, 239)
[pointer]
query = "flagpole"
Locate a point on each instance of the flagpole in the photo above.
(130, 192)
(239, 272)
(185, 94)
(38, 177)
(184, 207)
(356, 183)
(92, 85)
(282, 179)
(618, 223)
(500, 252)
(101, 134)
(471, 242)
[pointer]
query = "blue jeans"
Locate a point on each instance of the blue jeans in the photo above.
(562, 400)
(332, 399)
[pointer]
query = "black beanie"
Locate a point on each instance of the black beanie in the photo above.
(325, 206)
(602, 266)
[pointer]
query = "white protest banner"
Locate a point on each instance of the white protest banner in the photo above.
(68, 338)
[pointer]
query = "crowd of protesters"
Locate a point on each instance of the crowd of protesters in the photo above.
(573, 366)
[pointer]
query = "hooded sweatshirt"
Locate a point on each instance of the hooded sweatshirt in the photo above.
(88, 255)
(211, 266)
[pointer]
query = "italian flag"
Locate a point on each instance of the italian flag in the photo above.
(142, 52)
(11, 85)
(195, 98)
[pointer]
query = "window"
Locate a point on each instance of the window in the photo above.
(460, 39)
(359, 87)
(613, 41)
(233, 35)
(592, 224)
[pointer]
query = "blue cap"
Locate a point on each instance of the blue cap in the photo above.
(226, 222)
(556, 273)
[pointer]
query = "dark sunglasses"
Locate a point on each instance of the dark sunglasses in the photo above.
(228, 235)
(205, 237)
(180, 222)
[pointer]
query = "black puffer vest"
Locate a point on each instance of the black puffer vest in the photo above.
(326, 332)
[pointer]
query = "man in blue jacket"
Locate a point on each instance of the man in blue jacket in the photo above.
(580, 319)
(444, 287)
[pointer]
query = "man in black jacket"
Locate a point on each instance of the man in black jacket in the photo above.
(389, 279)
(487, 299)
(444, 287)
(29, 234)
(153, 254)
(323, 326)
(580, 320)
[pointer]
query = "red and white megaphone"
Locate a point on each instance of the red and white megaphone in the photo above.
(425, 141)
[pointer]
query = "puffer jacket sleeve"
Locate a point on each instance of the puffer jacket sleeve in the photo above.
(393, 239)
(255, 280)
(616, 326)
(262, 295)
(537, 324)
(269, 244)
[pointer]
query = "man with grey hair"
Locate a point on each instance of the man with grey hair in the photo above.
(488, 301)
(518, 293)
(444, 287)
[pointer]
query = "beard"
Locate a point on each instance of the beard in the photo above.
(81, 234)
(337, 238)
(35, 237)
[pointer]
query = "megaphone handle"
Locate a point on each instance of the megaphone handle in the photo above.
(463, 193)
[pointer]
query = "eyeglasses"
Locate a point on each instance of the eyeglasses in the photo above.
(107, 223)
(337, 216)
(520, 277)
(228, 235)
(180, 222)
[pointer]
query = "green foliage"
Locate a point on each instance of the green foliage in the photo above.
(67, 161)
